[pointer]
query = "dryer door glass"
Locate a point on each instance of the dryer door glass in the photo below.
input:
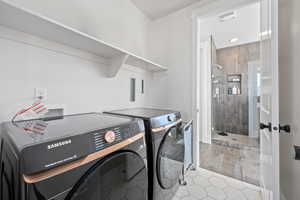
(120, 176)
(170, 158)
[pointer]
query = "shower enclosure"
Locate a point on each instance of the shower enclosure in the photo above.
(234, 96)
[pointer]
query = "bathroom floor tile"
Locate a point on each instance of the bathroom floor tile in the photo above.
(207, 185)
(238, 161)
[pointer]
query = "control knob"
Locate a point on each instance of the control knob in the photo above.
(110, 137)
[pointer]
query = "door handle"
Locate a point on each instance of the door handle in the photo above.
(285, 128)
(264, 126)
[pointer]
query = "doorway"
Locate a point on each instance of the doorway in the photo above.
(269, 90)
(230, 60)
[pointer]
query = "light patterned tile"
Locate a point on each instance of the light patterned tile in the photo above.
(252, 194)
(206, 185)
(197, 191)
(236, 184)
(208, 198)
(216, 193)
(205, 173)
(176, 198)
(201, 181)
(189, 180)
(190, 198)
(182, 192)
(234, 194)
(196, 173)
(253, 187)
(218, 182)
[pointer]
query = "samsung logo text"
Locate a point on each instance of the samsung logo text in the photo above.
(59, 144)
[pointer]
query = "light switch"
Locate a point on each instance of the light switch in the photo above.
(40, 93)
(143, 87)
(132, 89)
(297, 152)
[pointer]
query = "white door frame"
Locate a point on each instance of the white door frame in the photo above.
(273, 191)
(275, 92)
(207, 10)
(205, 95)
(252, 99)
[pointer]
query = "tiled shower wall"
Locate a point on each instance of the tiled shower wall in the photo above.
(230, 112)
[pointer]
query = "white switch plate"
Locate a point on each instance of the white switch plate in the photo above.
(40, 93)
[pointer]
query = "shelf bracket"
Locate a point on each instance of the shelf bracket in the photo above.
(116, 64)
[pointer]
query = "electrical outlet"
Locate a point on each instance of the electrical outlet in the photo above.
(40, 93)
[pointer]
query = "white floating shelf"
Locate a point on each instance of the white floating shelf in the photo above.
(26, 21)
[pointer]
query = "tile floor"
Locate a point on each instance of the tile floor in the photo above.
(235, 140)
(206, 185)
(235, 156)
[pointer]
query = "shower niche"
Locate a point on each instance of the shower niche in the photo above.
(234, 84)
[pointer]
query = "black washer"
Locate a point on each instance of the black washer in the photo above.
(99, 171)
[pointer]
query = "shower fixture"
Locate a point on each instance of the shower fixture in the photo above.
(218, 66)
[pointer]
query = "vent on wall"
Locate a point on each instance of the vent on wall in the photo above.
(227, 16)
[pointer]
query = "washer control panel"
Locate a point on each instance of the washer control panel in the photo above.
(108, 137)
(104, 138)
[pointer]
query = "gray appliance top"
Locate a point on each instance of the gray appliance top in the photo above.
(144, 113)
(31, 132)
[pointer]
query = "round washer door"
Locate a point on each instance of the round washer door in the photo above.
(119, 176)
(170, 157)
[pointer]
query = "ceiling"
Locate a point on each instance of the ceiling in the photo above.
(245, 27)
(159, 8)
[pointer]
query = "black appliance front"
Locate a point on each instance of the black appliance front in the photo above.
(121, 173)
(168, 162)
(118, 176)
(165, 149)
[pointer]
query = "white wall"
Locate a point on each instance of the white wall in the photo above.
(173, 37)
(77, 81)
(289, 66)
(245, 27)
(78, 84)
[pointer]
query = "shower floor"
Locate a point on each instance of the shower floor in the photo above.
(234, 155)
